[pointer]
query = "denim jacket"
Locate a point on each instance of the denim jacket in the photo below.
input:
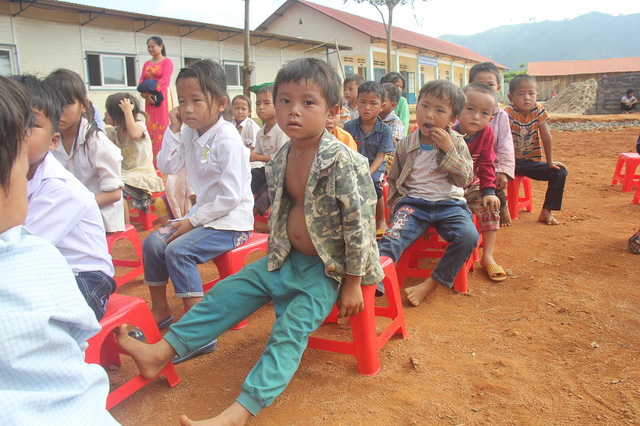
(339, 212)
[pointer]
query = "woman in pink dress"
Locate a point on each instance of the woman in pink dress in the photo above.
(159, 68)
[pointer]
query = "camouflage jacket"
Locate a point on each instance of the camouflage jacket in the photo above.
(340, 206)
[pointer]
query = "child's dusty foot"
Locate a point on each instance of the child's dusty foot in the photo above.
(150, 359)
(234, 415)
(505, 217)
(547, 217)
(420, 292)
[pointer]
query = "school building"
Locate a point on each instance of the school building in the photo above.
(418, 57)
(108, 48)
(613, 75)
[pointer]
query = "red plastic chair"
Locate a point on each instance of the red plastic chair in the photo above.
(234, 260)
(431, 247)
(629, 178)
(104, 350)
(366, 344)
(130, 234)
(515, 202)
(146, 219)
(636, 197)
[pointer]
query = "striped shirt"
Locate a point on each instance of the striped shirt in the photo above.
(524, 130)
(397, 128)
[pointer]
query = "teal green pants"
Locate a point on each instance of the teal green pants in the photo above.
(302, 296)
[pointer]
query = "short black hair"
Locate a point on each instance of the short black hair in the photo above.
(522, 78)
(479, 87)
(373, 87)
(311, 70)
(489, 67)
(447, 91)
(265, 90)
(392, 92)
(630, 91)
(353, 78)
(16, 119)
(242, 98)
(392, 77)
(43, 97)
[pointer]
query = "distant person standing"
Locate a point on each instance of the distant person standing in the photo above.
(628, 102)
(159, 68)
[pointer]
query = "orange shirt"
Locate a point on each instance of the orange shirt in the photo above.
(346, 138)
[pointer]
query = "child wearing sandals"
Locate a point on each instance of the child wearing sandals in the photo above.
(317, 255)
(481, 197)
(129, 133)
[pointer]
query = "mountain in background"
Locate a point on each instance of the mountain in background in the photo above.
(592, 36)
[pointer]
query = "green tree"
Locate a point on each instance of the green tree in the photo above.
(388, 23)
(522, 69)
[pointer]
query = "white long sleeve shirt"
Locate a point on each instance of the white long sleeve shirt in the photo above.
(218, 168)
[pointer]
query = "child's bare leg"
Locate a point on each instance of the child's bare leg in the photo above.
(381, 221)
(150, 359)
(505, 217)
(546, 216)
(420, 292)
(126, 211)
(159, 305)
(190, 302)
(235, 414)
(489, 243)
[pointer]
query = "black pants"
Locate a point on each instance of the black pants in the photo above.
(258, 179)
(539, 170)
(96, 287)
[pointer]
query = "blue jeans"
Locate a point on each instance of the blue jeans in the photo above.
(178, 260)
(302, 296)
(453, 221)
(96, 287)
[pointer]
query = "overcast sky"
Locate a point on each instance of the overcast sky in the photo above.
(436, 17)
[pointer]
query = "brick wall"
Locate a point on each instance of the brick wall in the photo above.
(611, 87)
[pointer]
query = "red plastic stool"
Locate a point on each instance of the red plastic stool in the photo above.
(629, 179)
(431, 247)
(263, 219)
(234, 260)
(104, 350)
(636, 198)
(366, 343)
(515, 202)
(145, 219)
(130, 234)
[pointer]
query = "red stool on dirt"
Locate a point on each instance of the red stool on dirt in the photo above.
(103, 349)
(431, 247)
(234, 260)
(130, 234)
(636, 198)
(629, 178)
(515, 202)
(366, 343)
(146, 219)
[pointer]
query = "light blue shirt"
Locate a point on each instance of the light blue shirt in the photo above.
(44, 326)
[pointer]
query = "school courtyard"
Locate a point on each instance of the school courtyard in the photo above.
(557, 343)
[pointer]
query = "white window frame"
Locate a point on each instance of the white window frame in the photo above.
(240, 64)
(12, 57)
(124, 70)
(123, 57)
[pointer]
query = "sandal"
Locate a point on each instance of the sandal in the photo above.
(137, 334)
(495, 272)
(634, 243)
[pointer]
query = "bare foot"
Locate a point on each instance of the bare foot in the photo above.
(547, 217)
(150, 359)
(505, 217)
(234, 415)
(418, 293)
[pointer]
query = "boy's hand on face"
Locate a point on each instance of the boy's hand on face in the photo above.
(182, 227)
(175, 121)
(441, 138)
(501, 181)
(350, 301)
(556, 165)
(491, 203)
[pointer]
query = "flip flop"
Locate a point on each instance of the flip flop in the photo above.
(209, 347)
(137, 334)
(634, 243)
(495, 272)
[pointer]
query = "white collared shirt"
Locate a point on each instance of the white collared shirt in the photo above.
(249, 131)
(63, 212)
(218, 168)
(45, 323)
(269, 144)
(96, 162)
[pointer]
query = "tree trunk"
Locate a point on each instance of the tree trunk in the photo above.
(389, 28)
(247, 69)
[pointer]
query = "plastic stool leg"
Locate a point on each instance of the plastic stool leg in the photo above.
(365, 335)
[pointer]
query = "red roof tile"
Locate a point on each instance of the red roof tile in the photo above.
(376, 29)
(595, 66)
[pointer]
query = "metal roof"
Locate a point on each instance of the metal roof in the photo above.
(375, 30)
(594, 66)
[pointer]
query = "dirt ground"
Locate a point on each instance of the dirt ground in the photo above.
(557, 343)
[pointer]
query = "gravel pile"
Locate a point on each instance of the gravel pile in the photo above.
(593, 126)
(575, 99)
